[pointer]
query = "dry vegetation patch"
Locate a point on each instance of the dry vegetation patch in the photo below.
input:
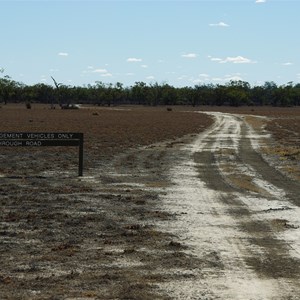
(63, 237)
(106, 129)
(284, 126)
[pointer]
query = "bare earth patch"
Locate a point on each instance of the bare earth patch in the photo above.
(95, 237)
(168, 207)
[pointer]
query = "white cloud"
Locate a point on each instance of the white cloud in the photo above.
(99, 71)
(260, 1)
(204, 78)
(106, 75)
(234, 78)
(204, 75)
(235, 60)
(63, 54)
(216, 59)
(287, 64)
(224, 79)
(133, 59)
(235, 74)
(238, 60)
(150, 77)
(197, 81)
(189, 55)
(182, 77)
(144, 66)
(217, 79)
(129, 74)
(220, 24)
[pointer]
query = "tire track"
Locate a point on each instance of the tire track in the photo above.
(220, 220)
(252, 158)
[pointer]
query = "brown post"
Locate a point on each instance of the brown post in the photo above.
(80, 171)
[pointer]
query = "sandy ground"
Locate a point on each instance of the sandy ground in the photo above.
(205, 216)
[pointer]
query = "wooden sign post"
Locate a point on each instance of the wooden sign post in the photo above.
(44, 139)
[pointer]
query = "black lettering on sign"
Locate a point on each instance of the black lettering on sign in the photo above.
(65, 136)
(10, 143)
(38, 139)
(40, 136)
(11, 135)
(33, 143)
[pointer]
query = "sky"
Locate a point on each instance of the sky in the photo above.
(181, 43)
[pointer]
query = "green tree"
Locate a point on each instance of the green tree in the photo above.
(168, 95)
(138, 93)
(269, 89)
(295, 94)
(237, 93)
(9, 90)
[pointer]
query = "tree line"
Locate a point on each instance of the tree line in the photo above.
(233, 93)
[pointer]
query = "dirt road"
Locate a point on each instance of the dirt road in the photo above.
(201, 217)
(238, 214)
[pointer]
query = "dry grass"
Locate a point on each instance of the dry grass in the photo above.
(284, 126)
(244, 182)
(255, 122)
(107, 131)
(63, 237)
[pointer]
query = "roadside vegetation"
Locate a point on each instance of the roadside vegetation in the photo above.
(234, 93)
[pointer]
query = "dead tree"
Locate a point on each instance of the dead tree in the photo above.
(57, 85)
